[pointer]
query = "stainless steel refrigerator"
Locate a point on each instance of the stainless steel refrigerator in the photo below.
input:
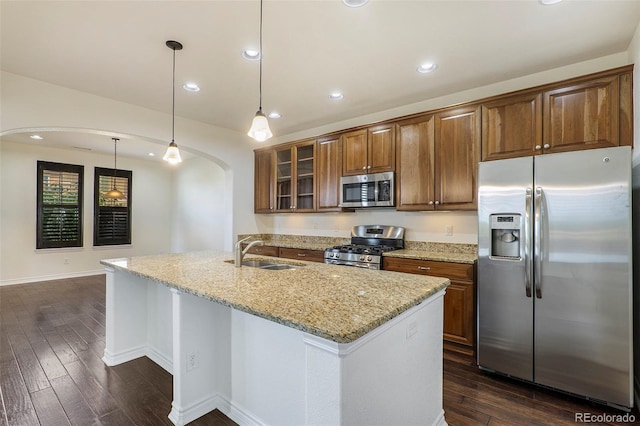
(555, 272)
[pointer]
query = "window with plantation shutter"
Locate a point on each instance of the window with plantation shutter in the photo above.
(111, 217)
(59, 205)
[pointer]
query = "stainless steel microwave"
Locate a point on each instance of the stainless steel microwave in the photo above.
(371, 190)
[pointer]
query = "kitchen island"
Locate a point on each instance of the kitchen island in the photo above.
(317, 344)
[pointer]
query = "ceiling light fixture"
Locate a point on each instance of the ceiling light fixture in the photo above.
(191, 87)
(260, 125)
(251, 55)
(114, 194)
(427, 67)
(336, 96)
(274, 114)
(37, 137)
(172, 156)
(549, 2)
(355, 3)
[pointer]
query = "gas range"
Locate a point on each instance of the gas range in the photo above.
(368, 242)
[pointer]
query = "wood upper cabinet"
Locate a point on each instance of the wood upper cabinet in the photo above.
(457, 153)
(512, 127)
(369, 150)
(437, 161)
(263, 182)
(295, 172)
(329, 171)
(415, 146)
(582, 116)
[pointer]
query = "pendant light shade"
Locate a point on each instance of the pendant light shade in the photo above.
(260, 126)
(172, 156)
(113, 193)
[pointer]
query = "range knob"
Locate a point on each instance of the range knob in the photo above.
(336, 255)
(368, 258)
(361, 258)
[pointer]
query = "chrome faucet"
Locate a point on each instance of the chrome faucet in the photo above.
(240, 253)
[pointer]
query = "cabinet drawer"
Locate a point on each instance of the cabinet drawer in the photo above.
(460, 271)
(302, 254)
(263, 250)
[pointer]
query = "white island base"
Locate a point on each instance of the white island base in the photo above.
(259, 372)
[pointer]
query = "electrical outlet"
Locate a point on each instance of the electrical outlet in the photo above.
(66, 260)
(192, 361)
(448, 230)
(412, 329)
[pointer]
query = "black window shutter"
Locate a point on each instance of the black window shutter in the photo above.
(59, 205)
(111, 218)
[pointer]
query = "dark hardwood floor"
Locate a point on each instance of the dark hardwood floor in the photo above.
(51, 372)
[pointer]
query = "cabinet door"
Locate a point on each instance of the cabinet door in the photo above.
(512, 127)
(302, 254)
(263, 182)
(415, 164)
(284, 173)
(354, 148)
(381, 149)
(582, 116)
(305, 171)
(459, 313)
(329, 153)
(457, 156)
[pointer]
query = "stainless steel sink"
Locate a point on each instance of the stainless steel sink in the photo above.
(266, 264)
(279, 266)
(258, 263)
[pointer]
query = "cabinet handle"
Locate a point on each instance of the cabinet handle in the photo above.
(538, 147)
(368, 167)
(437, 203)
(302, 255)
(546, 146)
(424, 268)
(430, 203)
(364, 168)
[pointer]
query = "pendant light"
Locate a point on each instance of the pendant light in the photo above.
(172, 156)
(114, 194)
(260, 126)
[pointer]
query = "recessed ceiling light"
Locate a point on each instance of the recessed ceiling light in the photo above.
(336, 96)
(151, 154)
(191, 87)
(251, 55)
(274, 114)
(355, 3)
(548, 2)
(38, 137)
(427, 67)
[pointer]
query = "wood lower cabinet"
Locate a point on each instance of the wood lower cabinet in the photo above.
(302, 254)
(459, 299)
(329, 171)
(263, 250)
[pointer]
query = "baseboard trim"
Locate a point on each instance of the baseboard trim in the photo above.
(161, 359)
(112, 359)
(51, 277)
(440, 421)
(238, 414)
(182, 416)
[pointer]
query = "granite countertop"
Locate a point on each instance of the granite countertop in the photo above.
(338, 304)
(422, 250)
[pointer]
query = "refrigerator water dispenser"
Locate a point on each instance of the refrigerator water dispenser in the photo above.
(505, 236)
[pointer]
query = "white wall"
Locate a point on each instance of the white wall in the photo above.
(21, 262)
(199, 199)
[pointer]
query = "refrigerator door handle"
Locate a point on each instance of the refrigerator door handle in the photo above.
(526, 242)
(537, 250)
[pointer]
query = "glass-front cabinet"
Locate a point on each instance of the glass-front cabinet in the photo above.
(295, 178)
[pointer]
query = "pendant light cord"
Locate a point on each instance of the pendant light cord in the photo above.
(260, 85)
(173, 98)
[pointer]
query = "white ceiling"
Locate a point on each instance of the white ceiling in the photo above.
(116, 49)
